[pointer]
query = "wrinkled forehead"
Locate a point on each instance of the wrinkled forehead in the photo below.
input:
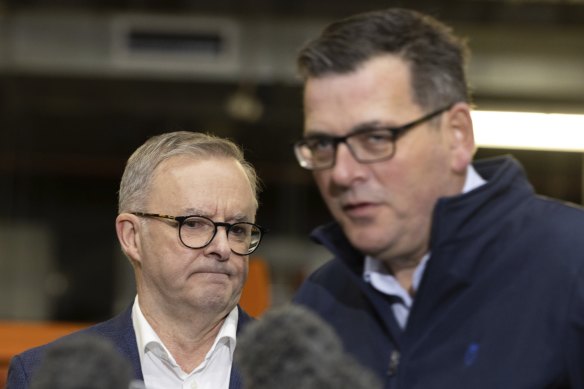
(207, 180)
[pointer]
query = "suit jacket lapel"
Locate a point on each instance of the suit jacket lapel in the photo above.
(235, 381)
(120, 330)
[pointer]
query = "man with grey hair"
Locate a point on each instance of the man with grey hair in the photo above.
(186, 222)
(446, 273)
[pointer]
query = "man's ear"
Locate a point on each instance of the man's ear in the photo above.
(461, 137)
(128, 230)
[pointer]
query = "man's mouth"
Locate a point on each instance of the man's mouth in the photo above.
(359, 209)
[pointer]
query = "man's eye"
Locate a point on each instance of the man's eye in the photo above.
(239, 229)
(195, 224)
(376, 136)
(320, 143)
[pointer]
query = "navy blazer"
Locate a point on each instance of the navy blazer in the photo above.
(120, 331)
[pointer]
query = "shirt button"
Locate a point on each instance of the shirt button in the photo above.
(194, 385)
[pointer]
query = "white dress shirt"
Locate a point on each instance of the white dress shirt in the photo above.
(376, 273)
(160, 369)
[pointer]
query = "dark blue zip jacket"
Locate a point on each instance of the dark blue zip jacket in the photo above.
(500, 305)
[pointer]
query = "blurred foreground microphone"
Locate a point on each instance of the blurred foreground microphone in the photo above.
(291, 348)
(83, 362)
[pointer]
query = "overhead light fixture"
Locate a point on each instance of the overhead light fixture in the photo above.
(530, 131)
(244, 104)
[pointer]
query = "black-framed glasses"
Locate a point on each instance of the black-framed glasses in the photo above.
(366, 145)
(197, 231)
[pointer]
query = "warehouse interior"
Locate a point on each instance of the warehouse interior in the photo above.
(85, 82)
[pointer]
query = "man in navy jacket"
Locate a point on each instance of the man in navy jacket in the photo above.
(187, 206)
(446, 274)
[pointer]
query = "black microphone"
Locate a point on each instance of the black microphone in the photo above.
(82, 361)
(291, 348)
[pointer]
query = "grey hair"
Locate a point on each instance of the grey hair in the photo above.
(139, 171)
(437, 58)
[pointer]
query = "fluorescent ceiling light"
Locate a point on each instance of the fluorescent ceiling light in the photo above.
(532, 131)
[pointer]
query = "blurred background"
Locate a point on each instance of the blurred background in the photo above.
(85, 82)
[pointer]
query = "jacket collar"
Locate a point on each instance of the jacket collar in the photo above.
(460, 225)
(456, 216)
(126, 341)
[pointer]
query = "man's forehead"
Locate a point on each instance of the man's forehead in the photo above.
(211, 180)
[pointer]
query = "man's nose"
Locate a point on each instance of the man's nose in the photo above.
(220, 244)
(346, 168)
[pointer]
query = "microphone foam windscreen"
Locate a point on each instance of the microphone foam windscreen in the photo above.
(82, 361)
(292, 348)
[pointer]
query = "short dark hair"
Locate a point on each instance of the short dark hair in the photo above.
(437, 58)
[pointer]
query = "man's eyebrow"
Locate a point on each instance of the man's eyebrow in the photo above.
(194, 211)
(238, 217)
(370, 125)
(316, 134)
